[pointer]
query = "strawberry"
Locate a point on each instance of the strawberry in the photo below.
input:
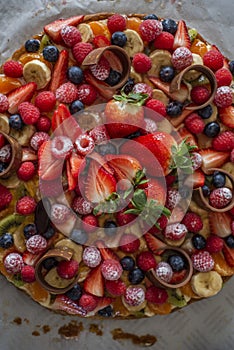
(115, 288)
(94, 282)
(227, 116)
(63, 303)
(101, 41)
(30, 258)
(102, 303)
(228, 254)
(129, 243)
(53, 30)
(4, 104)
(146, 261)
(59, 71)
(154, 244)
(5, 197)
(63, 123)
(212, 159)
(181, 36)
(19, 95)
(101, 87)
(156, 295)
(106, 252)
(156, 190)
(220, 224)
(50, 168)
(114, 61)
(72, 182)
(77, 164)
(101, 70)
(197, 179)
(124, 166)
(186, 135)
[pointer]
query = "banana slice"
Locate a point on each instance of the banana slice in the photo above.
(78, 250)
(38, 72)
(134, 42)
(194, 74)
(134, 75)
(86, 32)
(23, 136)
(206, 284)
(160, 58)
(4, 124)
(160, 95)
(54, 280)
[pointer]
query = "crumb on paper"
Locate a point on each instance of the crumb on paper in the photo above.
(143, 340)
(18, 321)
(46, 329)
(94, 328)
(36, 333)
(71, 330)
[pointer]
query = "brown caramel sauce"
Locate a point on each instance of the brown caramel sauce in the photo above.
(36, 333)
(71, 330)
(46, 329)
(18, 321)
(94, 328)
(143, 340)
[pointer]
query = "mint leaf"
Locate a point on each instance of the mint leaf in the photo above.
(139, 199)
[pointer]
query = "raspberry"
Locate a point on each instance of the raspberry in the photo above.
(89, 223)
(13, 263)
(25, 205)
(143, 88)
(199, 95)
(67, 269)
(84, 144)
(150, 29)
(164, 41)
(101, 70)
(36, 244)
(223, 97)
(26, 171)
(99, 134)
(129, 243)
(213, 59)
(38, 139)
(45, 101)
(116, 23)
(124, 219)
(134, 296)
(61, 147)
(80, 51)
(202, 261)
(196, 160)
(194, 123)
(81, 206)
(67, 93)
(4, 103)
(173, 198)
(223, 77)
(28, 274)
(146, 261)
(88, 302)
(214, 244)
(220, 197)
(150, 126)
(156, 295)
(43, 124)
(59, 213)
(87, 94)
(111, 269)
(162, 223)
(175, 232)
(13, 69)
(157, 106)
(224, 141)
(70, 35)
(29, 113)
(193, 222)
(5, 197)
(5, 154)
(50, 188)
(164, 271)
(116, 288)
(91, 256)
(182, 58)
(141, 63)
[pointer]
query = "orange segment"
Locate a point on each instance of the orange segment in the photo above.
(100, 28)
(27, 57)
(8, 84)
(134, 23)
(221, 266)
(198, 47)
(187, 290)
(162, 309)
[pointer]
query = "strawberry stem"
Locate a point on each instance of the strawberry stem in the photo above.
(181, 157)
(137, 99)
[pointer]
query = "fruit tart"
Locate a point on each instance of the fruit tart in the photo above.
(116, 166)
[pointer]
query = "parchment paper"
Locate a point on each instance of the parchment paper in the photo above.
(203, 325)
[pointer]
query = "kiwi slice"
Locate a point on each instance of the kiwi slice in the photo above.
(10, 222)
(175, 299)
(45, 41)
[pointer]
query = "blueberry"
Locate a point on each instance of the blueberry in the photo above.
(128, 86)
(230, 241)
(79, 236)
(199, 242)
(167, 73)
(16, 122)
(76, 106)
(169, 25)
(174, 108)
(74, 293)
(113, 78)
(127, 263)
(32, 45)
(177, 262)
(107, 148)
(49, 263)
(231, 67)
(205, 112)
(6, 241)
(119, 39)
(3, 167)
(134, 135)
(50, 53)
(219, 179)
(136, 276)
(49, 233)
(205, 191)
(106, 311)
(110, 227)
(30, 230)
(75, 74)
(151, 16)
(212, 129)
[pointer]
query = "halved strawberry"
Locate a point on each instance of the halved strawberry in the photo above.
(186, 135)
(102, 303)
(125, 167)
(156, 190)
(227, 116)
(19, 95)
(228, 254)
(72, 181)
(31, 259)
(220, 224)
(49, 168)
(101, 41)
(212, 159)
(63, 303)
(63, 123)
(178, 277)
(94, 282)
(102, 88)
(106, 252)
(154, 244)
(77, 164)
(53, 29)
(195, 180)
(180, 95)
(60, 71)
(181, 36)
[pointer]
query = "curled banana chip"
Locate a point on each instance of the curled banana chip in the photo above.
(37, 72)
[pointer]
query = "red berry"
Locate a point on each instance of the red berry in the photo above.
(36, 244)
(214, 244)
(223, 77)
(91, 256)
(4, 103)
(88, 302)
(194, 123)
(2, 140)
(26, 171)
(129, 243)
(45, 101)
(196, 160)
(146, 261)
(101, 41)
(124, 219)
(182, 58)
(59, 213)
(224, 141)
(193, 222)
(157, 106)
(164, 271)
(150, 29)
(164, 41)
(28, 274)
(13, 69)
(5, 154)
(175, 232)
(89, 223)
(38, 139)
(70, 35)
(67, 93)
(26, 205)
(116, 288)
(61, 147)
(84, 144)
(134, 295)
(80, 51)
(87, 94)
(116, 23)
(173, 198)
(202, 261)
(156, 295)
(162, 223)
(220, 197)
(29, 113)
(199, 94)
(223, 97)
(5, 197)
(67, 269)
(99, 134)
(143, 88)
(43, 124)
(101, 70)
(81, 206)
(13, 263)
(150, 126)
(213, 59)
(50, 188)
(111, 269)
(141, 63)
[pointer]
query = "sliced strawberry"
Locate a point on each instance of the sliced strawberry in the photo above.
(186, 135)
(102, 303)
(102, 88)
(53, 29)
(106, 252)
(228, 254)
(156, 190)
(63, 303)
(195, 180)
(61, 113)
(181, 36)
(178, 277)
(60, 71)
(125, 167)
(101, 161)
(50, 168)
(77, 164)
(220, 224)
(94, 282)
(101, 41)
(63, 123)
(31, 259)
(212, 159)
(181, 95)
(72, 181)
(154, 244)
(19, 95)
(114, 61)
(227, 116)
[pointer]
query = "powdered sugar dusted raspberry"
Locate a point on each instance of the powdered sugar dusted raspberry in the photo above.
(59, 213)
(150, 29)
(111, 269)
(164, 271)
(173, 198)
(150, 125)
(82, 206)
(38, 139)
(134, 296)
(223, 97)
(143, 88)
(67, 93)
(175, 231)
(91, 256)
(99, 134)
(101, 70)
(202, 261)
(36, 244)
(84, 144)
(220, 197)
(196, 160)
(182, 58)
(13, 263)
(5, 154)
(61, 146)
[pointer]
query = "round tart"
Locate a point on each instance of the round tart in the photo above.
(116, 166)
